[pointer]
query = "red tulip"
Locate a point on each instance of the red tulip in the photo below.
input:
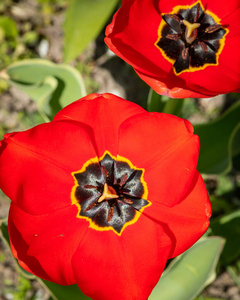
(103, 195)
(180, 48)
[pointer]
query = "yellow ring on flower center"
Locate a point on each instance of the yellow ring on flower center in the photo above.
(109, 191)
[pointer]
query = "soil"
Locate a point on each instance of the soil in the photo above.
(223, 287)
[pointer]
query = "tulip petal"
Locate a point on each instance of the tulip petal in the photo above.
(213, 81)
(104, 115)
(162, 89)
(155, 158)
(107, 266)
(135, 42)
(170, 154)
(39, 166)
(221, 8)
(232, 21)
(44, 245)
(133, 35)
(187, 220)
(165, 7)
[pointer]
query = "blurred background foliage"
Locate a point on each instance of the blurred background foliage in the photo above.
(51, 53)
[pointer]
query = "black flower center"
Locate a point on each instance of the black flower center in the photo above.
(110, 193)
(191, 38)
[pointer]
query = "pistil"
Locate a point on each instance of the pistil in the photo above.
(108, 193)
(191, 31)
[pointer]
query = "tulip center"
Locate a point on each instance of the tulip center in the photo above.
(110, 193)
(191, 38)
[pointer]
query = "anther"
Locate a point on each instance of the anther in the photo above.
(110, 214)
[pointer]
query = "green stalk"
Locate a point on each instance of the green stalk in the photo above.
(159, 103)
(155, 102)
(173, 106)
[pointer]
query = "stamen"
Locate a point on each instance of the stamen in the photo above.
(173, 37)
(110, 214)
(123, 180)
(128, 201)
(105, 171)
(203, 45)
(213, 28)
(108, 193)
(89, 186)
(197, 14)
(185, 53)
(191, 31)
(90, 206)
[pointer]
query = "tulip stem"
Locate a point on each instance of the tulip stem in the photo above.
(173, 106)
(155, 102)
(159, 103)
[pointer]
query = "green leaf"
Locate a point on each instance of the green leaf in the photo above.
(228, 227)
(187, 275)
(84, 21)
(234, 274)
(61, 292)
(9, 27)
(41, 93)
(220, 141)
(51, 85)
(4, 230)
